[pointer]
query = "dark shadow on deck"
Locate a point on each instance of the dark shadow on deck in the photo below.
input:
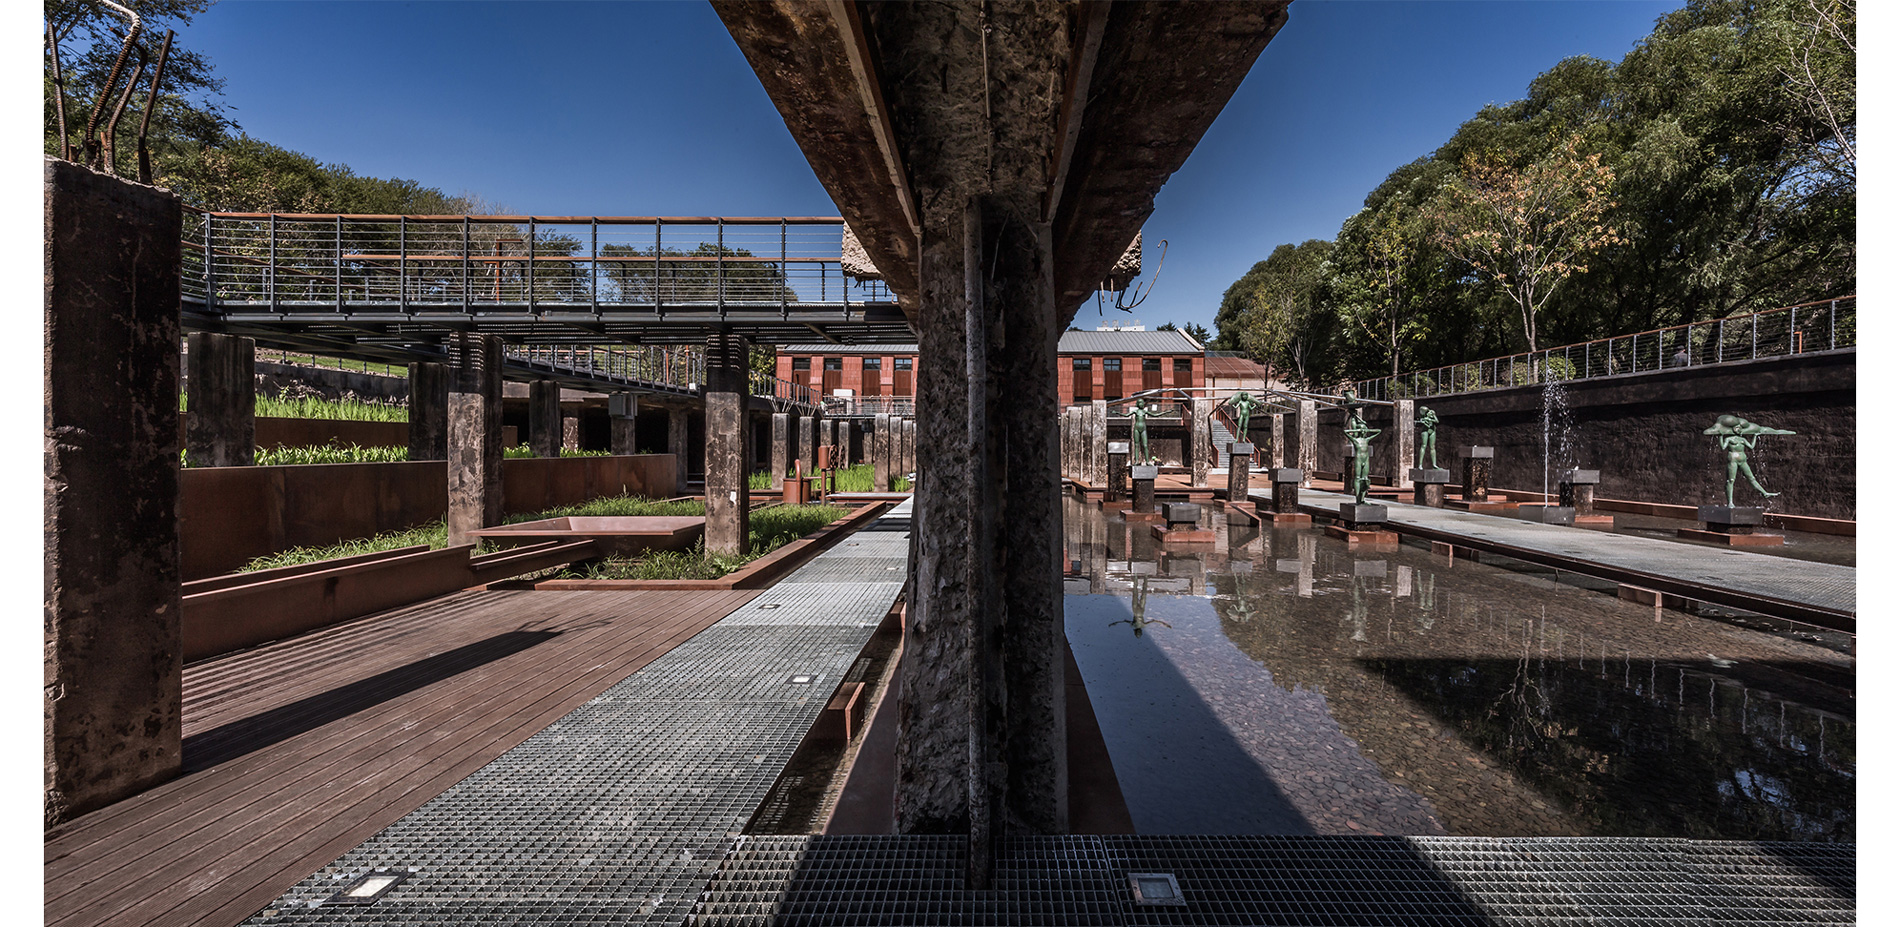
(229, 741)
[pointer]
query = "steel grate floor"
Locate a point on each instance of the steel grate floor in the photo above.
(619, 812)
(1513, 882)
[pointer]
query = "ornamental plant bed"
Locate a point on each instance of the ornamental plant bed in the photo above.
(758, 574)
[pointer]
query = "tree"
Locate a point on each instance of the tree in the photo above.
(1275, 326)
(88, 38)
(1528, 229)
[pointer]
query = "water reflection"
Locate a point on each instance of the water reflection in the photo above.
(1397, 693)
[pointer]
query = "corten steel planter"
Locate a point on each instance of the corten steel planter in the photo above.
(623, 535)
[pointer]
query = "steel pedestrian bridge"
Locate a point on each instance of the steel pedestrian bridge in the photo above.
(584, 300)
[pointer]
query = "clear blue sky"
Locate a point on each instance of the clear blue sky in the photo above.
(602, 108)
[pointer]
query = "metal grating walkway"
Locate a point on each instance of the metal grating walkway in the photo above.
(1820, 593)
(620, 811)
(1397, 881)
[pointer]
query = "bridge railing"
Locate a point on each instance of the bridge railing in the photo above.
(679, 368)
(764, 384)
(1825, 325)
(842, 406)
(288, 261)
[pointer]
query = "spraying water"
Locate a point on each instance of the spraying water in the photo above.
(1557, 425)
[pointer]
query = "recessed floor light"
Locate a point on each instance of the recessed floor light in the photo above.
(803, 679)
(368, 887)
(769, 605)
(1155, 888)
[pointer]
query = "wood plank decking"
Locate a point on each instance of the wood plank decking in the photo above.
(299, 750)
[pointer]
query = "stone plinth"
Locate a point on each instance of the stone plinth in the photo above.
(1117, 471)
(1577, 489)
(1359, 516)
(1548, 514)
(1182, 513)
(1286, 496)
(1477, 464)
(1239, 468)
(1144, 501)
(1735, 526)
(1363, 524)
(1428, 486)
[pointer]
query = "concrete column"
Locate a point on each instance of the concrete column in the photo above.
(571, 427)
(1308, 446)
(1201, 459)
(1098, 441)
(544, 418)
(621, 410)
(1278, 450)
(1401, 454)
(474, 434)
(678, 436)
(112, 647)
(910, 446)
(221, 429)
(828, 436)
(727, 444)
(428, 411)
(881, 454)
(781, 444)
(983, 693)
(807, 443)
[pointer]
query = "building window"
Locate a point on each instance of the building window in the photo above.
(874, 363)
(1183, 371)
(801, 363)
(1112, 363)
(834, 363)
(1081, 363)
(903, 363)
(1151, 365)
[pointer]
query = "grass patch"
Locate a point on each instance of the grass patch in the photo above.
(770, 529)
(616, 505)
(523, 450)
(435, 535)
(858, 478)
(329, 454)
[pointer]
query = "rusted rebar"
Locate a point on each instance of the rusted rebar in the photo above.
(112, 79)
(59, 92)
(151, 100)
(109, 136)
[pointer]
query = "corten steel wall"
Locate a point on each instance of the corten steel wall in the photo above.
(314, 432)
(230, 515)
(1644, 433)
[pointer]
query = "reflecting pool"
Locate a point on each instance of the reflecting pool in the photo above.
(1277, 682)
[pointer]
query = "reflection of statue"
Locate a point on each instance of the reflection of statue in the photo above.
(1138, 604)
(1427, 437)
(1736, 436)
(1243, 411)
(1138, 433)
(1361, 435)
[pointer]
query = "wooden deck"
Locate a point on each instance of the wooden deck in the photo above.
(299, 750)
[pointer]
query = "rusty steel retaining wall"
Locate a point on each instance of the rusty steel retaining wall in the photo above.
(230, 515)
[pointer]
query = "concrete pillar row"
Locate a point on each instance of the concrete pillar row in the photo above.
(474, 434)
(621, 411)
(728, 440)
(221, 427)
(113, 646)
(544, 418)
(781, 444)
(428, 411)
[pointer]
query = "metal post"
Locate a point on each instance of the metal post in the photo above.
(270, 278)
(593, 264)
(719, 268)
(658, 311)
(784, 271)
(464, 263)
(402, 262)
(1791, 328)
(339, 263)
(1754, 334)
(530, 274)
(1830, 303)
(1721, 338)
(211, 296)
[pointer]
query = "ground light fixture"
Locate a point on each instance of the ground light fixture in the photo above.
(368, 887)
(803, 679)
(1156, 888)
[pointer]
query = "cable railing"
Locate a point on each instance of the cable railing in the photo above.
(771, 387)
(680, 369)
(855, 406)
(291, 262)
(1808, 328)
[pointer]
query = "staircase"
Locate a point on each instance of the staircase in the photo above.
(1222, 437)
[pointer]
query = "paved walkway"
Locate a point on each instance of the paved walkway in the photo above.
(1817, 593)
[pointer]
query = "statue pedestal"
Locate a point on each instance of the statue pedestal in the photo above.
(1239, 467)
(1183, 525)
(1143, 508)
(1428, 487)
(1477, 464)
(1577, 489)
(1286, 497)
(1363, 525)
(1735, 526)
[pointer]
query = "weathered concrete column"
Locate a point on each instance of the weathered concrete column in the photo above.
(910, 446)
(1201, 459)
(544, 418)
(781, 445)
(1098, 441)
(571, 427)
(474, 434)
(1239, 469)
(1117, 472)
(221, 429)
(881, 454)
(807, 443)
(983, 692)
(728, 440)
(828, 436)
(678, 437)
(1401, 451)
(428, 411)
(622, 408)
(1308, 447)
(112, 650)
(1278, 451)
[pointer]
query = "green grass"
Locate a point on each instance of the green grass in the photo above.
(616, 505)
(523, 450)
(349, 410)
(850, 479)
(435, 535)
(770, 529)
(329, 454)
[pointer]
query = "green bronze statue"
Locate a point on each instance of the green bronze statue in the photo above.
(1427, 437)
(1350, 401)
(1736, 436)
(1244, 405)
(1138, 434)
(1361, 435)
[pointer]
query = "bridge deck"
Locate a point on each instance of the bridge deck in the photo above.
(1816, 593)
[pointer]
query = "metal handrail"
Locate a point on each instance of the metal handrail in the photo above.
(1807, 328)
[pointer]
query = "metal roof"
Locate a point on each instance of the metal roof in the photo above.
(1127, 342)
(827, 348)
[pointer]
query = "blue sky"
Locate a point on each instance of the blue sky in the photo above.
(647, 108)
